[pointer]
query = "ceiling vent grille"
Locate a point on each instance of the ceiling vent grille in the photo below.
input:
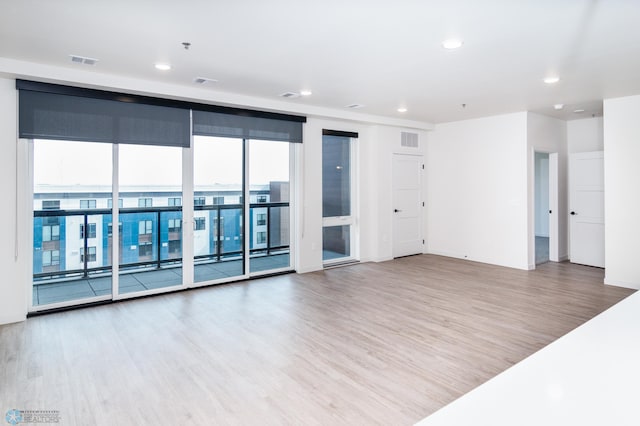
(83, 60)
(204, 80)
(289, 95)
(409, 140)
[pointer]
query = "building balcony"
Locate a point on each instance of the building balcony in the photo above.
(74, 265)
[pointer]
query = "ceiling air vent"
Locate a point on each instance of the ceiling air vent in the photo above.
(204, 80)
(83, 60)
(409, 140)
(355, 106)
(289, 95)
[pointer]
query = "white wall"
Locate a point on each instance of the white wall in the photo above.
(585, 135)
(477, 190)
(622, 191)
(13, 258)
(548, 135)
(374, 155)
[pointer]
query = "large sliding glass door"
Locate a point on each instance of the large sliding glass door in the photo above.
(150, 217)
(111, 175)
(218, 179)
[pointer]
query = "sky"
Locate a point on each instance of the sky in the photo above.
(216, 161)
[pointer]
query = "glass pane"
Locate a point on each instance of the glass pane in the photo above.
(336, 242)
(218, 182)
(269, 197)
(336, 176)
(72, 183)
(151, 228)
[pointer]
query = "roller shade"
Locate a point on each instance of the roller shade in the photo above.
(44, 115)
(53, 111)
(206, 123)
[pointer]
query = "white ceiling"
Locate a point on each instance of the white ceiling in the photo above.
(378, 53)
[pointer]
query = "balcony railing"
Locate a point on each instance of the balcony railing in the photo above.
(159, 237)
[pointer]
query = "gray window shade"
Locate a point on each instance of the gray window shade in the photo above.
(207, 123)
(66, 117)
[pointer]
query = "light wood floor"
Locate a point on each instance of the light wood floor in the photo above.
(384, 343)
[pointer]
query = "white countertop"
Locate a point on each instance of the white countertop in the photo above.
(591, 376)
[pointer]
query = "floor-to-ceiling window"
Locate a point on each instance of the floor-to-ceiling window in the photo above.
(218, 179)
(71, 212)
(338, 210)
(150, 217)
(110, 219)
(270, 212)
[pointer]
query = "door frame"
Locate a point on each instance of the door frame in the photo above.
(554, 207)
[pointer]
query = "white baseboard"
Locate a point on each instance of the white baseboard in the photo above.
(634, 286)
(306, 269)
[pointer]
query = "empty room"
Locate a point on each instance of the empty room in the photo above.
(322, 213)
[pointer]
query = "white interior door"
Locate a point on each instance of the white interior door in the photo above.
(586, 207)
(407, 205)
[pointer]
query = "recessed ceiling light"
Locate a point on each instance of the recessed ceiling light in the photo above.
(558, 106)
(551, 80)
(452, 43)
(402, 109)
(306, 92)
(578, 111)
(163, 67)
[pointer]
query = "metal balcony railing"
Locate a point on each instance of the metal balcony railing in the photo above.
(159, 228)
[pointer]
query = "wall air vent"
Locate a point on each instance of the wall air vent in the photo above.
(83, 60)
(204, 80)
(289, 95)
(409, 140)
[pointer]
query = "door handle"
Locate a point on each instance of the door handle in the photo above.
(396, 211)
(573, 213)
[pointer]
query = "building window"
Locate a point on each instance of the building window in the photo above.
(145, 249)
(51, 233)
(145, 227)
(175, 201)
(91, 233)
(175, 247)
(218, 200)
(261, 238)
(261, 219)
(87, 204)
(50, 257)
(51, 205)
(110, 203)
(200, 224)
(110, 229)
(91, 254)
(199, 201)
(262, 198)
(145, 202)
(175, 225)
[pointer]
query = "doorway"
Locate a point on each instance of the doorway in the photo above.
(542, 211)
